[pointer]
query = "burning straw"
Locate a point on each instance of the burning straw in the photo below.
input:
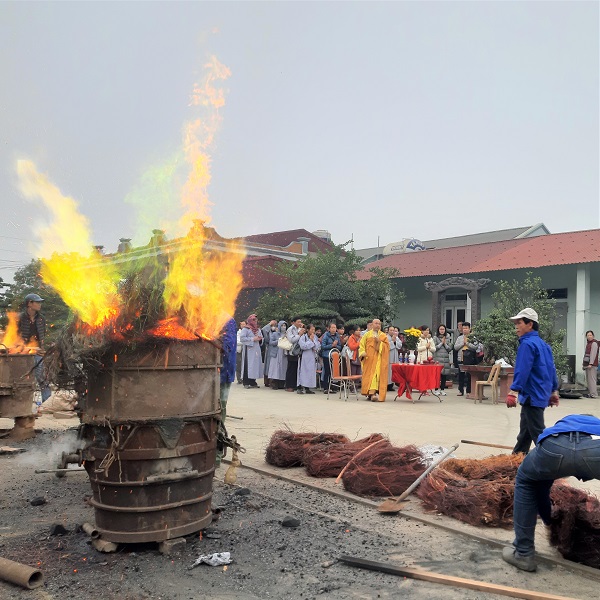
(575, 525)
(329, 459)
(478, 492)
(383, 470)
(287, 449)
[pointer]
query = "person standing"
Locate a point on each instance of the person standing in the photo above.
(570, 448)
(278, 359)
(590, 364)
(229, 346)
(354, 345)
(266, 333)
(330, 341)
(395, 347)
(251, 340)
(535, 384)
(466, 353)
(307, 365)
(443, 347)
(294, 332)
(238, 358)
(374, 353)
(32, 330)
(425, 346)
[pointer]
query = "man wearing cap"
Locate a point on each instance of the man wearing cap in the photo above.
(570, 448)
(32, 330)
(535, 384)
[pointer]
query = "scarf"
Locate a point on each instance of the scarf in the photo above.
(252, 323)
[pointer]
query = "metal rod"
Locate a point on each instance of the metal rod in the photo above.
(237, 418)
(486, 444)
(79, 469)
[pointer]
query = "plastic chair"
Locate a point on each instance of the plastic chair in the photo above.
(492, 381)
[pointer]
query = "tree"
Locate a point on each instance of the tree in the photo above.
(27, 280)
(497, 333)
(327, 281)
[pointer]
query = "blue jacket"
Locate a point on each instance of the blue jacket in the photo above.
(327, 343)
(581, 423)
(229, 339)
(535, 374)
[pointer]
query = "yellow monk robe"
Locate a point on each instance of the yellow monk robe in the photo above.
(374, 353)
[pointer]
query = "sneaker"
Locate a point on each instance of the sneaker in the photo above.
(443, 393)
(299, 391)
(525, 563)
(307, 391)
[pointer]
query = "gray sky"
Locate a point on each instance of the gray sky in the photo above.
(396, 120)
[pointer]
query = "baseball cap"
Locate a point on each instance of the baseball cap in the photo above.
(33, 298)
(526, 313)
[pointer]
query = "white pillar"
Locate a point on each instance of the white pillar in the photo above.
(582, 313)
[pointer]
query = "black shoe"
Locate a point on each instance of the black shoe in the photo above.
(247, 387)
(525, 563)
(308, 392)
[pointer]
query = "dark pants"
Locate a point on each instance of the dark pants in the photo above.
(291, 374)
(563, 455)
(326, 376)
(238, 366)
(245, 379)
(532, 424)
(464, 379)
(442, 382)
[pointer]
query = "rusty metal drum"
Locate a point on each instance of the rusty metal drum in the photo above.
(151, 481)
(150, 423)
(178, 379)
(17, 385)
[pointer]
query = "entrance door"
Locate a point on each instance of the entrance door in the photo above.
(454, 310)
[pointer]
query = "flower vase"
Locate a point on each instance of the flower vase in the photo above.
(416, 356)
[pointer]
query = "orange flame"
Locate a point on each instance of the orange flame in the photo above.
(86, 284)
(171, 328)
(13, 341)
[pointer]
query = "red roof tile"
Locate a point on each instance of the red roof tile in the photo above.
(543, 251)
(285, 238)
(256, 274)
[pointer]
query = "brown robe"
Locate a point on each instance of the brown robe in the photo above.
(369, 351)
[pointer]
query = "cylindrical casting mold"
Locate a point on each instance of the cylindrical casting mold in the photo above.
(177, 379)
(22, 575)
(153, 481)
(17, 385)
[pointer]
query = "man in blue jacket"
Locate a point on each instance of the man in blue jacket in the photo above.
(570, 448)
(535, 384)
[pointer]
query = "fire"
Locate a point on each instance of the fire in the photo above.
(13, 341)
(202, 282)
(171, 328)
(87, 285)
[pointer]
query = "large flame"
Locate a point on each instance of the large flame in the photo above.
(204, 284)
(87, 285)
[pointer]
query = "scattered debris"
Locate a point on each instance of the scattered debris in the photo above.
(22, 575)
(38, 501)
(10, 450)
(328, 563)
(431, 452)
(174, 546)
(104, 546)
(242, 492)
(58, 529)
(214, 560)
(290, 522)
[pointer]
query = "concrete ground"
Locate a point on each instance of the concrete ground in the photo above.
(427, 421)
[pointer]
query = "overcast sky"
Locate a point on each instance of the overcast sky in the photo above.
(407, 119)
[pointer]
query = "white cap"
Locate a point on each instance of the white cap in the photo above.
(526, 313)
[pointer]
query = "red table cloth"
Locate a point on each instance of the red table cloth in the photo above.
(416, 377)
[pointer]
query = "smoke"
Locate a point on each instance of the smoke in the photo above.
(42, 457)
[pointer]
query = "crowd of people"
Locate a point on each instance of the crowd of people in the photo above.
(295, 356)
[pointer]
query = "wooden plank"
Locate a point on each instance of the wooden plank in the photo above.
(486, 444)
(471, 584)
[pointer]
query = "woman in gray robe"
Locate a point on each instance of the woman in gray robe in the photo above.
(277, 357)
(307, 365)
(395, 347)
(251, 339)
(443, 348)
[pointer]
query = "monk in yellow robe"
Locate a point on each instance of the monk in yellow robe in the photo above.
(374, 353)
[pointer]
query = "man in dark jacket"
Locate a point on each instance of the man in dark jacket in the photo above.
(32, 330)
(535, 384)
(570, 448)
(229, 341)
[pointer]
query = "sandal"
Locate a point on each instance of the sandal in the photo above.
(460, 394)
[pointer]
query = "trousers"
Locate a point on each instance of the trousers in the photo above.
(530, 427)
(563, 455)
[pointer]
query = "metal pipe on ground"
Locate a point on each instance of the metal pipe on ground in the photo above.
(91, 531)
(23, 575)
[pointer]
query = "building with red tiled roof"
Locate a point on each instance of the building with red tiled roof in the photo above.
(294, 239)
(452, 284)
